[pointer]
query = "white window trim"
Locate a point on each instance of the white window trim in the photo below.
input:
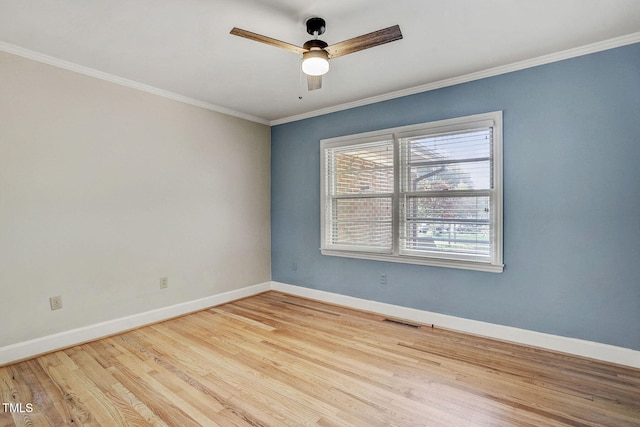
(493, 119)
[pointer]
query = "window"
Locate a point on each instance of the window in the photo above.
(424, 194)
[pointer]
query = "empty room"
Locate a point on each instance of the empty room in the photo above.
(338, 213)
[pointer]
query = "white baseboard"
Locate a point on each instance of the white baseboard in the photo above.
(608, 353)
(28, 349)
(583, 348)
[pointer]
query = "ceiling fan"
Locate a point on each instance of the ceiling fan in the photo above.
(316, 53)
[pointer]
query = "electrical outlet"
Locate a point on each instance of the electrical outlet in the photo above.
(55, 303)
(164, 282)
(383, 278)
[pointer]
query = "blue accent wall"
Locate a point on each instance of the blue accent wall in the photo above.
(571, 202)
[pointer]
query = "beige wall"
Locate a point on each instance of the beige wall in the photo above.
(104, 189)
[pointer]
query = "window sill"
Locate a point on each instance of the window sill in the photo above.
(464, 265)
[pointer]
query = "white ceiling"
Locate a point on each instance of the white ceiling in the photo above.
(184, 46)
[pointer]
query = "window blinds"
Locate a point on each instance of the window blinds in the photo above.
(428, 194)
(360, 208)
(446, 195)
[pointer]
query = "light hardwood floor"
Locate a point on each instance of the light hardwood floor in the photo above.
(278, 360)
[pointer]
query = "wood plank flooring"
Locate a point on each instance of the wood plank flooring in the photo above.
(279, 360)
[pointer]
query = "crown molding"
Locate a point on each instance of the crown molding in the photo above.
(60, 63)
(495, 71)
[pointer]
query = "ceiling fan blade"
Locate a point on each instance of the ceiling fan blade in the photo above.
(267, 40)
(314, 82)
(365, 41)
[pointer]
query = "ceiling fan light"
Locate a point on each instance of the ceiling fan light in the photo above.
(315, 62)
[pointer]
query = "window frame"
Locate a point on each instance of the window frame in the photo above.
(458, 124)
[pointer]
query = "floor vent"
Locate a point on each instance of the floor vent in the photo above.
(400, 322)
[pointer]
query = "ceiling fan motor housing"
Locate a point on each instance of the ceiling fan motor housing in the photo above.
(314, 45)
(315, 25)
